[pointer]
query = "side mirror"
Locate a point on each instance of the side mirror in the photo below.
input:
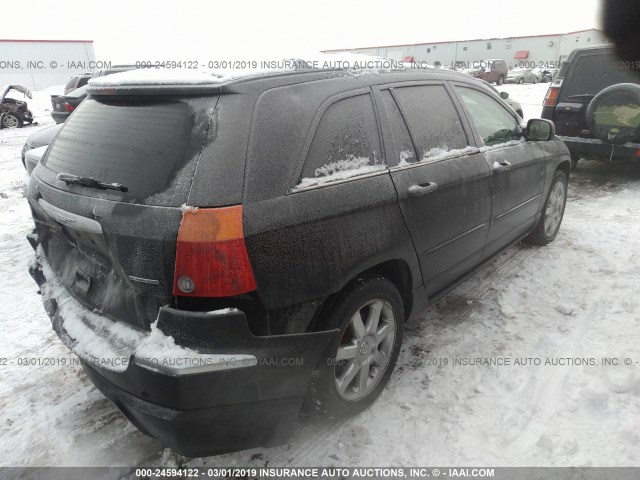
(540, 129)
(504, 95)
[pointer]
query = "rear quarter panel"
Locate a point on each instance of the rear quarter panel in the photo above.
(309, 244)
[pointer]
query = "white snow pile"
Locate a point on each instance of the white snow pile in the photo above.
(223, 311)
(110, 345)
(184, 208)
(352, 166)
(405, 155)
(162, 77)
(159, 351)
(98, 340)
(440, 153)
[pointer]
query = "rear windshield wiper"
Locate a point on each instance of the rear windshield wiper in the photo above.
(90, 182)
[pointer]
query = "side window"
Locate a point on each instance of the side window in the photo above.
(433, 120)
(345, 144)
(491, 119)
(405, 152)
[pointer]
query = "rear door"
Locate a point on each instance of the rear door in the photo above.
(518, 166)
(114, 251)
(442, 180)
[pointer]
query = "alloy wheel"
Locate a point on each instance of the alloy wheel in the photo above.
(555, 207)
(9, 121)
(365, 350)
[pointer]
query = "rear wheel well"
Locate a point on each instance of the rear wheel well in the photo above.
(397, 271)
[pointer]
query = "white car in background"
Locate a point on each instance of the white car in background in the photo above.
(510, 101)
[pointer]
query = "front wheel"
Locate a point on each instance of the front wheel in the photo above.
(521, 81)
(549, 223)
(500, 80)
(357, 366)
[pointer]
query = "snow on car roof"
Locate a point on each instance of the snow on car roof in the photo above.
(355, 64)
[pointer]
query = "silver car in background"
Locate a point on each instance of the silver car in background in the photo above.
(522, 75)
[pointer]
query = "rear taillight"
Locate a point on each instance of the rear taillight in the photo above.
(68, 107)
(552, 97)
(211, 256)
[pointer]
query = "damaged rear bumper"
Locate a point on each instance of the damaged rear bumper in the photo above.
(200, 382)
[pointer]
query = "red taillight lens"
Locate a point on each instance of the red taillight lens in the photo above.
(552, 97)
(68, 107)
(211, 256)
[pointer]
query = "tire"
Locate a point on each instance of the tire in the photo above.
(500, 80)
(11, 120)
(535, 81)
(549, 223)
(521, 81)
(610, 128)
(362, 298)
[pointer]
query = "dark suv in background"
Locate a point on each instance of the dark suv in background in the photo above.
(595, 105)
(75, 92)
(219, 254)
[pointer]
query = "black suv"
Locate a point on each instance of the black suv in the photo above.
(219, 253)
(595, 105)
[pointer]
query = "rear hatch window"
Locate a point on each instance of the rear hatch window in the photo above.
(592, 73)
(148, 144)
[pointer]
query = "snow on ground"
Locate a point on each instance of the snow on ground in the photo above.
(575, 299)
(528, 95)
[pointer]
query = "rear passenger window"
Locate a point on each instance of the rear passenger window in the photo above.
(404, 150)
(345, 144)
(494, 123)
(433, 120)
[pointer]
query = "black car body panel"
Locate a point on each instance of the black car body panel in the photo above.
(217, 411)
(250, 142)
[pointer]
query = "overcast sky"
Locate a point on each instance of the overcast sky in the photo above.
(126, 31)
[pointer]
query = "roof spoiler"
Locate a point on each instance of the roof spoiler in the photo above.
(177, 89)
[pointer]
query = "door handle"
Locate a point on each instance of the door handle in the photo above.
(417, 190)
(504, 165)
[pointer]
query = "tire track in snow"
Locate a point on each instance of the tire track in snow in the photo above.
(545, 400)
